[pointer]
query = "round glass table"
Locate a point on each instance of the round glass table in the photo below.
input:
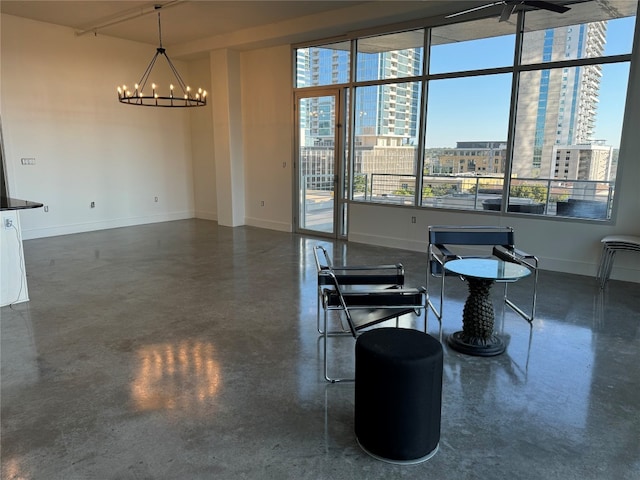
(477, 336)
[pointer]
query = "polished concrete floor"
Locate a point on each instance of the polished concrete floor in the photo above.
(184, 350)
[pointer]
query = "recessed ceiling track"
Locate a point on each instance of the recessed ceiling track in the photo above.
(127, 15)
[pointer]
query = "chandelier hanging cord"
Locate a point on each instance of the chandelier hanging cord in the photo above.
(137, 97)
(159, 28)
(161, 51)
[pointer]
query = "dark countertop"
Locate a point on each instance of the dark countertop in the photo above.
(8, 203)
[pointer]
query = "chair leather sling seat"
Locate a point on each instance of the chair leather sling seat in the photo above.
(353, 278)
(356, 307)
(398, 394)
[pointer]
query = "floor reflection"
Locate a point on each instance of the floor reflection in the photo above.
(11, 469)
(179, 375)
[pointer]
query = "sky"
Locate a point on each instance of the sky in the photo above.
(477, 108)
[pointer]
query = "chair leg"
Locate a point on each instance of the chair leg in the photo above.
(431, 306)
(609, 267)
(326, 362)
(528, 317)
(602, 267)
(607, 254)
(320, 328)
(326, 336)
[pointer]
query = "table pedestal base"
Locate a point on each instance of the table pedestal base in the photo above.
(477, 346)
(477, 337)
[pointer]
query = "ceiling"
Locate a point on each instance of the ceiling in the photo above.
(191, 21)
(193, 27)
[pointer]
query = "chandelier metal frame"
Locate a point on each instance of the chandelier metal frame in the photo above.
(187, 98)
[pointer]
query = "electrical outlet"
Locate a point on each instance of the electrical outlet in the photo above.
(262, 203)
(8, 223)
(155, 199)
(93, 204)
(46, 208)
(413, 219)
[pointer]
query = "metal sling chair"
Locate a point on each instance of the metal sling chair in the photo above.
(498, 241)
(362, 309)
(353, 277)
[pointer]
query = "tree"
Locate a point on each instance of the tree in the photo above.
(438, 190)
(404, 192)
(359, 184)
(536, 192)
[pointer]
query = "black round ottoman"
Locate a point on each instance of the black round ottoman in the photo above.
(398, 394)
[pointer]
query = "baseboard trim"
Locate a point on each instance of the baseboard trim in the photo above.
(29, 234)
(268, 224)
(552, 264)
(206, 215)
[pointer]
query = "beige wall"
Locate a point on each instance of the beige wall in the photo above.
(204, 168)
(268, 137)
(59, 106)
(253, 160)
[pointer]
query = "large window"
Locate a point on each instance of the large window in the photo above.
(465, 139)
(397, 55)
(385, 149)
(476, 45)
(479, 116)
(323, 65)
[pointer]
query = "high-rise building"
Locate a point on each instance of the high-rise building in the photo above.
(556, 106)
(582, 162)
(478, 157)
(386, 115)
(389, 110)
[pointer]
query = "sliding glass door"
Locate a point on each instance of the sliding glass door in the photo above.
(320, 144)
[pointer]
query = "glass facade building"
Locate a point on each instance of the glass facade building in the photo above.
(566, 98)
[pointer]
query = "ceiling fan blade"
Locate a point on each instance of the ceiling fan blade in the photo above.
(481, 7)
(546, 6)
(507, 10)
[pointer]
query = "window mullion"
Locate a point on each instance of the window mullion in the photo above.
(515, 84)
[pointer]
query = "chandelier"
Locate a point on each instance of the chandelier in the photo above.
(179, 96)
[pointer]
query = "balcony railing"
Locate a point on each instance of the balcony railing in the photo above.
(540, 196)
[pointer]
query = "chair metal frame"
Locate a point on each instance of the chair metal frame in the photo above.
(500, 239)
(362, 309)
(611, 244)
(353, 277)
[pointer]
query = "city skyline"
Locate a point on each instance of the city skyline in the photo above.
(470, 100)
(448, 99)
